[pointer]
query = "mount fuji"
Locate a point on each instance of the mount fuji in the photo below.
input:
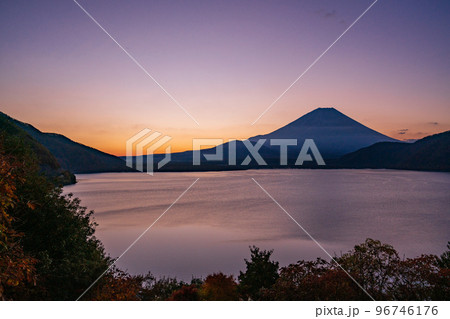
(334, 133)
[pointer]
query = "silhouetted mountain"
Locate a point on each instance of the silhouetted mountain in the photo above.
(183, 161)
(73, 156)
(429, 153)
(47, 162)
(334, 133)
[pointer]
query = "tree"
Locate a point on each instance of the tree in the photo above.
(444, 259)
(54, 231)
(117, 285)
(421, 278)
(160, 289)
(261, 273)
(185, 293)
(312, 280)
(373, 265)
(16, 267)
(219, 287)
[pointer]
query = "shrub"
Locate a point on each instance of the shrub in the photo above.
(219, 287)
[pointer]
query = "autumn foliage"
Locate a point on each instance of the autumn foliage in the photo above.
(219, 287)
(48, 251)
(16, 267)
(370, 270)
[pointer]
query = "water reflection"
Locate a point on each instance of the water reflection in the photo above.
(211, 227)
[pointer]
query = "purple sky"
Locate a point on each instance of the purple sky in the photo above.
(225, 62)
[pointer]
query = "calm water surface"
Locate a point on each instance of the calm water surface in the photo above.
(210, 228)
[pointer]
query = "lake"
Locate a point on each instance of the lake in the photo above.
(211, 227)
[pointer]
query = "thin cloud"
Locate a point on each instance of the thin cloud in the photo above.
(327, 13)
(330, 14)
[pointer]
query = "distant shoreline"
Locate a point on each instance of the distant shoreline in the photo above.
(273, 168)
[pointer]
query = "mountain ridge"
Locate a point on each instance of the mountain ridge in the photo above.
(429, 153)
(73, 156)
(49, 165)
(334, 133)
(330, 129)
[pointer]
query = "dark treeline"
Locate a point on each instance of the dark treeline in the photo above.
(376, 267)
(48, 251)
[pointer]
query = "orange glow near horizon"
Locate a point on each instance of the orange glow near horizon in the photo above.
(112, 139)
(225, 63)
(183, 143)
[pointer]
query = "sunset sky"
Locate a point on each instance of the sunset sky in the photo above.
(225, 62)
